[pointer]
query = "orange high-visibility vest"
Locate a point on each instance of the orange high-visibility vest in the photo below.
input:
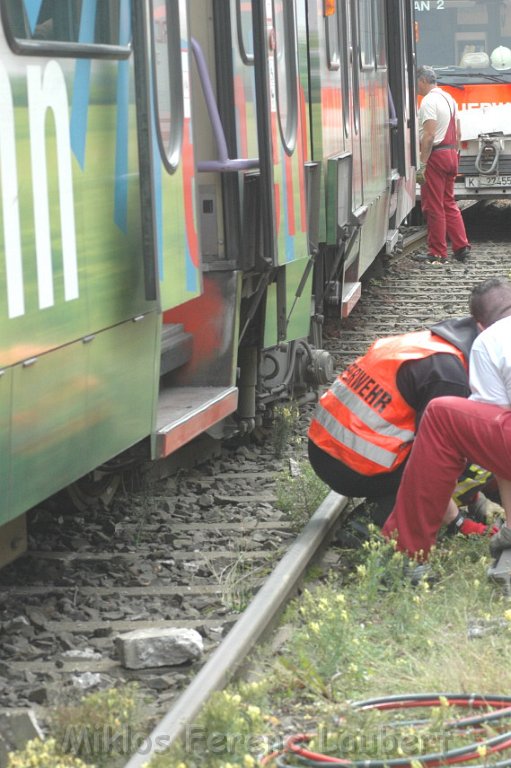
(363, 420)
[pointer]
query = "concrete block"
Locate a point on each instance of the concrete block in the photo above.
(146, 648)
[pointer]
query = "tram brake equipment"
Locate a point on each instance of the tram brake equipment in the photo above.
(320, 369)
(490, 147)
(500, 570)
(293, 367)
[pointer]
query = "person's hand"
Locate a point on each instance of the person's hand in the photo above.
(500, 540)
(420, 177)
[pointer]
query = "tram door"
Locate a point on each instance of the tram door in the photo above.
(401, 55)
(198, 341)
(355, 99)
(161, 44)
(280, 68)
(401, 83)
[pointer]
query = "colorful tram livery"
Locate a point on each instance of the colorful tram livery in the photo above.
(186, 187)
(468, 42)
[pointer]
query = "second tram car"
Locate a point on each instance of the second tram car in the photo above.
(186, 187)
(468, 43)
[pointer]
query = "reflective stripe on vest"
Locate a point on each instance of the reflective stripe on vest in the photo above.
(354, 442)
(367, 414)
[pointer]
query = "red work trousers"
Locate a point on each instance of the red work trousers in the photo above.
(451, 431)
(438, 205)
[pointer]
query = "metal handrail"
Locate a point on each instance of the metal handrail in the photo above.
(224, 163)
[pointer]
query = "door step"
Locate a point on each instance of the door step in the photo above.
(186, 412)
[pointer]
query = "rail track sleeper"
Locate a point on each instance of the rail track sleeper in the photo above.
(157, 591)
(123, 625)
(250, 526)
(70, 557)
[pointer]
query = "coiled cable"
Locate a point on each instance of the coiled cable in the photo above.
(487, 159)
(294, 752)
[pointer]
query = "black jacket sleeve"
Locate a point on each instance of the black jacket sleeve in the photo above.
(419, 381)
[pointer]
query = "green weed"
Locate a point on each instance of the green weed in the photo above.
(299, 494)
(236, 580)
(227, 734)
(44, 754)
(101, 727)
(285, 422)
(377, 634)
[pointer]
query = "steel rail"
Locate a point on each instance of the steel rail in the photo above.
(257, 618)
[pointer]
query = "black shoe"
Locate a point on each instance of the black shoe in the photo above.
(353, 535)
(477, 509)
(428, 258)
(462, 254)
(416, 573)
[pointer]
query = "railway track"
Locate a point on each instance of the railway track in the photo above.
(192, 550)
(86, 580)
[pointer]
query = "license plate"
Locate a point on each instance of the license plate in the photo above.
(480, 182)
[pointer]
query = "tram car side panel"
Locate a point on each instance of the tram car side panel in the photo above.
(469, 46)
(75, 360)
(368, 191)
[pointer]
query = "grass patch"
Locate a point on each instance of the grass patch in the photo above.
(372, 633)
(300, 492)
(229, 732)
(285, 423)
(99, 731)
(102, 727)
(367, 632)
(44, 754)
(236, 580)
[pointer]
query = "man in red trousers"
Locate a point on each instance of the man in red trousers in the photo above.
(454, 430)
(439, 133)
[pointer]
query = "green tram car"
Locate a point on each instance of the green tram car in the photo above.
(186, 187)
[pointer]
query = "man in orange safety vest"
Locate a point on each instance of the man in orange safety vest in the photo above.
(363, 427)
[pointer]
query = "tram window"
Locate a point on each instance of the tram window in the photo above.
(286, 71)
(245, 32)
(168, 77)
(332, 42)
(365, 28)
(62, 26)
(379, 33)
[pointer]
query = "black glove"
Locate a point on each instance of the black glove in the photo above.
(500, 540)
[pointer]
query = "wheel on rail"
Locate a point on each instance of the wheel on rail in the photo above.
(98, 487)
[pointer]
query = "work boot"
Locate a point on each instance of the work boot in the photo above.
(352, 535)
(429, 258)
(477, 508)
(353, 532)
(380, 509)
(462, 254)
(417, 572)
(501, 540)
(469, 527)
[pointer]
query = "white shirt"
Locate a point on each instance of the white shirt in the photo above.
(490, 364)
(440, 106)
